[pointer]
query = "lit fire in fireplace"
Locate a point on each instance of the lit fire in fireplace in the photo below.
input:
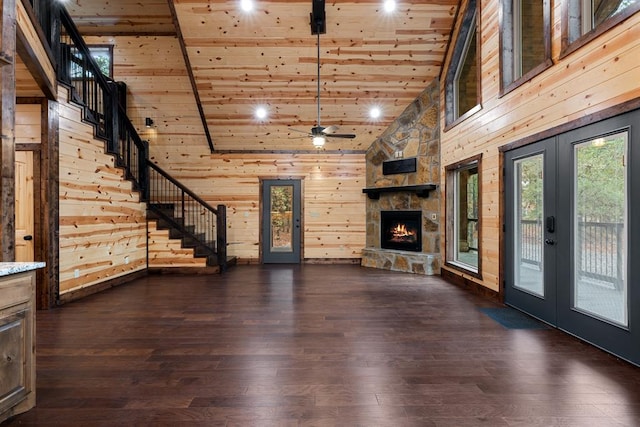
(400, 233)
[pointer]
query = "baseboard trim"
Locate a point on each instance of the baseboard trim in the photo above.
(99, 287)
(475, 288)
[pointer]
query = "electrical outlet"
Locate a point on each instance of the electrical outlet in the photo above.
(76, 273)
(434, 217)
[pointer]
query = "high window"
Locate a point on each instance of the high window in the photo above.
(462, 89)
(585, 19)
(463, 216)
(525, 37)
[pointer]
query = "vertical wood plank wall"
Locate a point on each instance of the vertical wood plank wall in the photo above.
(28, 127)
(334, 206)
(102, 222)
(333, 203)
(597, 76)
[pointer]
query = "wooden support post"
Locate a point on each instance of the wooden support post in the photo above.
(7, 127)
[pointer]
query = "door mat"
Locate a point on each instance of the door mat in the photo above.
(513, 319)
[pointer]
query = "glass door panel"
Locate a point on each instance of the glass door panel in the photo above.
(281, 205)
(600, 228)
(529, 236)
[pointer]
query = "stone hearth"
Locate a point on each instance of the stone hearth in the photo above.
(414, 134)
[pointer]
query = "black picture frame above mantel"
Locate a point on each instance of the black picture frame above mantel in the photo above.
(391, 167)
(419, 190)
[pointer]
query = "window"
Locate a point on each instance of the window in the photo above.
(462, 90)
(101, 54)
(525, 37)
(584, 20)
(463, 216)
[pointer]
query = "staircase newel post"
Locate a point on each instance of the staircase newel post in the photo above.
(221, 236)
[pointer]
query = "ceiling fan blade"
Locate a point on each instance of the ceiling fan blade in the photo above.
(301, 131)
(340, 135)
(330, 129)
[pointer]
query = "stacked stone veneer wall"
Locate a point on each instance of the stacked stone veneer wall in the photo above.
(415, 133)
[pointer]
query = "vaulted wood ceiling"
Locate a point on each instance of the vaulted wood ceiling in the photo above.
(268, 57)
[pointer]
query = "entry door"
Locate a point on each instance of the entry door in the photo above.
(531, 243)
(573, 231)
(24, 206)
(281, 231)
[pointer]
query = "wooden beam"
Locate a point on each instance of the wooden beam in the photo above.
(7, 126)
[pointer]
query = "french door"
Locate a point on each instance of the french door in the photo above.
(281, 232)
(572, 226)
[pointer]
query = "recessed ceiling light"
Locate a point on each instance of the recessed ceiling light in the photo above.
(246, 5)
(261, 113)
(375, 113)
(389, 5)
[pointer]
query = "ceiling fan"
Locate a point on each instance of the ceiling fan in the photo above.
(319, 133)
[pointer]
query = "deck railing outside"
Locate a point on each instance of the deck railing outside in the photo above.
(599, 255)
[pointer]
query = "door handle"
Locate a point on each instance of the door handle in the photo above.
(551, 224)
(28, 237)
(550, 242)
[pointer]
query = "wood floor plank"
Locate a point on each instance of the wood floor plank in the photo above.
(313, 345)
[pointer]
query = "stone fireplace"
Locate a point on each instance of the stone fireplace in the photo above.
(403, 176)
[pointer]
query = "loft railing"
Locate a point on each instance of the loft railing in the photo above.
(99, 96)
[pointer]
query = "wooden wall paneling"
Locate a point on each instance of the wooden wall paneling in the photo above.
(596, 77)
(177, 124)
(334, 206)
(102, 222)
(28, 128)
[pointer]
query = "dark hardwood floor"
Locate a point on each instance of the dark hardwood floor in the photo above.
(316, 345)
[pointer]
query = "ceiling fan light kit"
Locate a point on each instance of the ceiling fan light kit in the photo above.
(318, 141)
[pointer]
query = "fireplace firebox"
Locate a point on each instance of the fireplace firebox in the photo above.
(401, 230)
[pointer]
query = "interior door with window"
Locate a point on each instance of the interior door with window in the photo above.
(281, 228)
(531, 244)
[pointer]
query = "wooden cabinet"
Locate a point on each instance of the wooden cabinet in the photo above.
(17, 349)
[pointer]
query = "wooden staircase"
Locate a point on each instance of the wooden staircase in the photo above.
(164, 214)
(187, 217)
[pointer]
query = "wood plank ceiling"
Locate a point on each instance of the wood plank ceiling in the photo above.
(268, 57)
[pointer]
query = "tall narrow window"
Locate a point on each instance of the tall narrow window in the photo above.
(525, 36)
(463, 215)
(462, 90)
(586, 19)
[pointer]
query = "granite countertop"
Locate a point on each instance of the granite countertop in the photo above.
(9, 268)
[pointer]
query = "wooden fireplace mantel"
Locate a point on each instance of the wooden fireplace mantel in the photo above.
(420, 190)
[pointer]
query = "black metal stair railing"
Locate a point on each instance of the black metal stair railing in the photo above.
(203, 226)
